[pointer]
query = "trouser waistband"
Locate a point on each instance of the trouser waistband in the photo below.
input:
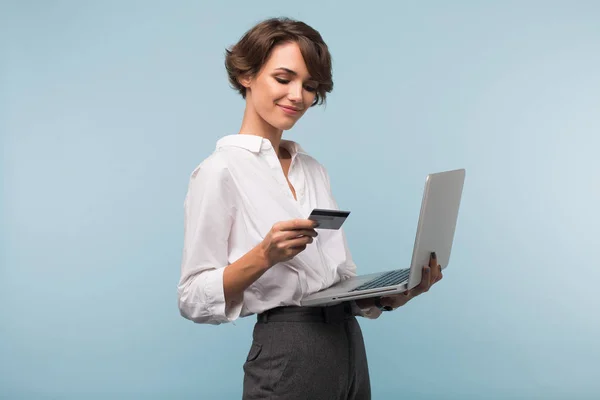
(336, 313)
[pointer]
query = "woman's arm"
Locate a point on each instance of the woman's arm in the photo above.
(285, 240)
(243, 273)
(210, 208)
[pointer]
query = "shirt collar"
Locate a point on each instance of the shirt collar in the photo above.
(255, 143)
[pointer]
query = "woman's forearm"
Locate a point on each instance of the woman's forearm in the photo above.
(242, 273)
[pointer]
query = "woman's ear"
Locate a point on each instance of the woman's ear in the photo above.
(245, 80)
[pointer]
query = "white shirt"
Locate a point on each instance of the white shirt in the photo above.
(234, 198)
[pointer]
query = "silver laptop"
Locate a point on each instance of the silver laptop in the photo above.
(435, 232)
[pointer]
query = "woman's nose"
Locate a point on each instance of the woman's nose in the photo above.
(295, 93)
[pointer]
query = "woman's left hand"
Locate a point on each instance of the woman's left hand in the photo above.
(431, 274)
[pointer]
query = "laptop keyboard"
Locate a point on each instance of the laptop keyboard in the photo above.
(388, 279)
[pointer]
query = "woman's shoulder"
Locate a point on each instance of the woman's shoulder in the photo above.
(216, 164)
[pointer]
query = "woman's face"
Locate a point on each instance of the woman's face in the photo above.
(283, 90)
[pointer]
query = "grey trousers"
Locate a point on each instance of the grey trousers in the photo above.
(314, 353)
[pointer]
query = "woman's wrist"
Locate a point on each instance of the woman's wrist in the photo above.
(365, 303)
(382, 307)
(261, 258)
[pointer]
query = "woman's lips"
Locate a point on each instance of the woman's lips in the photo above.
(289, 111)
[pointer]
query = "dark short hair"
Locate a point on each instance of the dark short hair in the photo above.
(254, 48)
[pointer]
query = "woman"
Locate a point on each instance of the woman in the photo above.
(248, 247)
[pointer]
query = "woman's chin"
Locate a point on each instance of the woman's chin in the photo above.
(285, 125)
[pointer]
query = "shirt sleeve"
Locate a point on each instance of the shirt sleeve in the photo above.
(209, 210)
(348, 270)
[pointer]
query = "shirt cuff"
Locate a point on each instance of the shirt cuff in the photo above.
(215, 298)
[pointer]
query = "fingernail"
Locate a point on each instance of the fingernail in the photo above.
(433, 254)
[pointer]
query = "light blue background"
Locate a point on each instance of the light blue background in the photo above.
(107, 106)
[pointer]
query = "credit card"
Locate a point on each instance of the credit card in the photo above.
(328, 219)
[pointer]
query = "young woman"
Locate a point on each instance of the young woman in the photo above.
(248, 247)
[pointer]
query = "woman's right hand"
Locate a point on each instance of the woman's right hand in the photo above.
(286, 239)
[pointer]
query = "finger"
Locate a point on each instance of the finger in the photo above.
(303, 224)
(293, 251)
(298, 242)
(435, 267)
(440, 275)
(300, 233)
(294, 224)
(433, 260)
(425, 283)
(426, 278)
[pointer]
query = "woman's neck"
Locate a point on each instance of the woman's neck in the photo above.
(253, 124)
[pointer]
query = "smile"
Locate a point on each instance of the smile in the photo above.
(289, 111)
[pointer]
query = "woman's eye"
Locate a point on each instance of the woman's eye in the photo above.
(285, 82)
